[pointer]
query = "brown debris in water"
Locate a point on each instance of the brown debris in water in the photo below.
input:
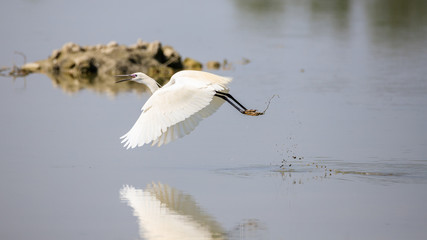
(253, 112)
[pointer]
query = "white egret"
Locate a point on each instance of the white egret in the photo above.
(175, 109)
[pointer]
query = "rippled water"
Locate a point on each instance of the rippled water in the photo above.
(340, 154)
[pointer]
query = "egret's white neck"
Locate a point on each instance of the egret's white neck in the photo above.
(151, 84)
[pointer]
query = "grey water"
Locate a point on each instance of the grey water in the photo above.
(341, 153)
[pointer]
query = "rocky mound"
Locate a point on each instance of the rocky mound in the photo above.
(74, 67)
(112, 59)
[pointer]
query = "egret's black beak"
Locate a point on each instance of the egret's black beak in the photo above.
(123, 80)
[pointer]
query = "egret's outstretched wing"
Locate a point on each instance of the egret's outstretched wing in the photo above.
(175, 110)
(183, 128)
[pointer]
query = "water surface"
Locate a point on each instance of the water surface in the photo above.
(340, 154)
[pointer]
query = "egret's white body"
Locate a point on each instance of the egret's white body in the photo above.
(175, 109)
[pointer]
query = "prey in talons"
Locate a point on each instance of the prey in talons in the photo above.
(233, 102)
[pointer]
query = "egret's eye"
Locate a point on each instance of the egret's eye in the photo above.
(133, 75)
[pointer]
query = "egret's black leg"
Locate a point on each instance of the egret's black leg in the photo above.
(230, 102)
(227, 95)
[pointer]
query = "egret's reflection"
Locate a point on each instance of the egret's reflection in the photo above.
(166, 213)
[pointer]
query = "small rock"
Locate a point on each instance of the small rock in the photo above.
(87, 66)
(170, 52)
(89, 48)
(67, 63)
(154, 47)
(141, 44)
(71, 47)
(107, 50)
(76, 48)
(31, 67)
(67, 46)
(172, 57)
(190, 63)
(55, 54)
(98, 46)
(112, 44)
(213, 65)
(245, 61)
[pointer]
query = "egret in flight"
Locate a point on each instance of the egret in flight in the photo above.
(175, 109)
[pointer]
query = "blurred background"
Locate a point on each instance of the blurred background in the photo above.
(340, 154)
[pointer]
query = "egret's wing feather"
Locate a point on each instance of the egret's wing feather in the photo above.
(180, 105)
(189, 124)
(202, 78)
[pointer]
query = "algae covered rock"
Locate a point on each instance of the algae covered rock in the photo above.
(110, 59)
(213, 65)
(74, 67)
(190, 63)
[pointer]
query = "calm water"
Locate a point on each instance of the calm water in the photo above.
(352, 110)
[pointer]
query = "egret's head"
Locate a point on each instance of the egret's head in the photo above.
(137, 77)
